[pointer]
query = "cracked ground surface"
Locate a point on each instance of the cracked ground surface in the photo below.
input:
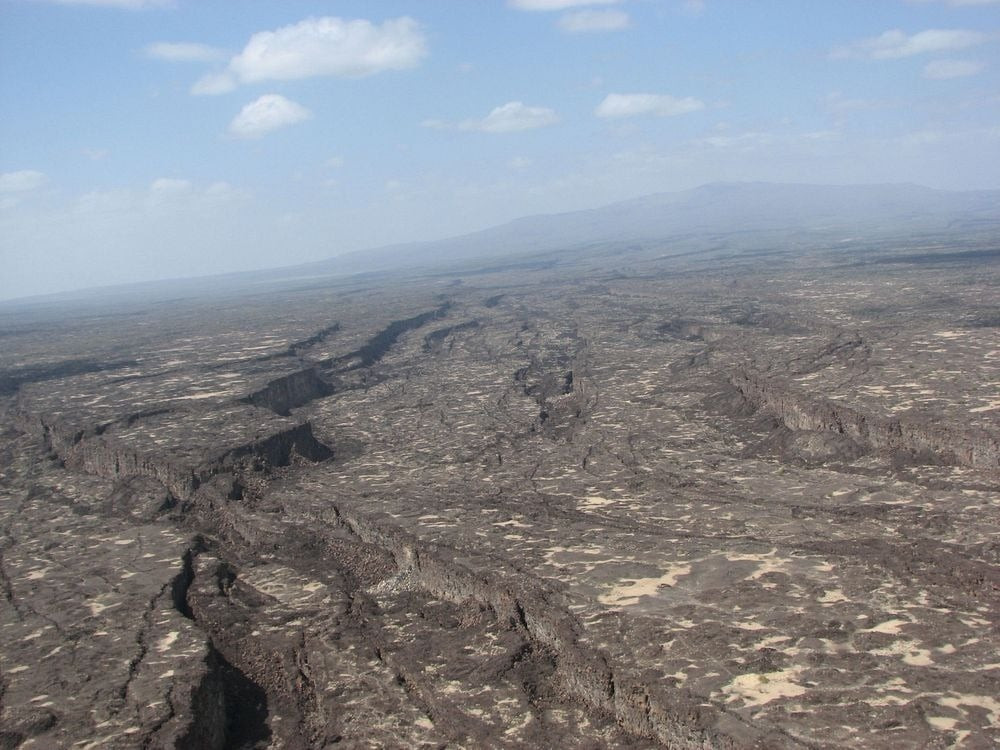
(641, 501)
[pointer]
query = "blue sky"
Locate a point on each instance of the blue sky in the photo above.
(145, 139)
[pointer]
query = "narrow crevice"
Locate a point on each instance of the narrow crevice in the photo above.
(7, 586)
(131, 419)
(434, 340)
(183, 580)
(379, 345)
(297, 348)
(12, 379)
(229, 710)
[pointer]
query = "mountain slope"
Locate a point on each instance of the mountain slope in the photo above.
(714, 209)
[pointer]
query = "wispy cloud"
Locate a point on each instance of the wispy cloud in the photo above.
(266, 114)
(164, 194)
(22, 181)
(633, 105)
(940, 70)
(589, 21)
(838, 103)
(321, 47)
(894, 44)
(545, 5)
(507, 118)
(211, 84)
(183, 52)
(739, 141)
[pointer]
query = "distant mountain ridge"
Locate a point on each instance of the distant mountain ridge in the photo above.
(714, 208)
(721, 215)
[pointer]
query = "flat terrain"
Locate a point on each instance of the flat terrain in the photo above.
(727, 496)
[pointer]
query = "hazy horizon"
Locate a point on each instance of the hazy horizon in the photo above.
(151, 139)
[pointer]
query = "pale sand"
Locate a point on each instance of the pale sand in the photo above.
(757, 689)
(629, 593)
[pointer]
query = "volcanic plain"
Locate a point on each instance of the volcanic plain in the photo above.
(631, 497)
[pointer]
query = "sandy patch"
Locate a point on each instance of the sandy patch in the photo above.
(630, 593)
(167, 641)
(756, 689)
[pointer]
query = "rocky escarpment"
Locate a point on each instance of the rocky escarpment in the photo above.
(904, 438)
(281, 395)
(642, 705)
(105, 455)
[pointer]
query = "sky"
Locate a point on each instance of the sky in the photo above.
(151, 139)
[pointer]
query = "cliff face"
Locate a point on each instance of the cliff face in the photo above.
(922, 441)
(103, 454)
(675, 718)
(290, 392)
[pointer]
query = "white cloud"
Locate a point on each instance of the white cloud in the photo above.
(164, 194)
(183, 52)
(22, 181)
(169, 186)
(520, 162)
(894, 44)
(223, 191)
(335, 162)
(583, 21)
(631, 105)
(507, 118)
(266, 114)
(837, 103)
(125, 4)
(943, 69)
(167, 192)
(321, 47)
(104, 202)
(214, 83)
(556, 4)
(741, 141)
(512, 117)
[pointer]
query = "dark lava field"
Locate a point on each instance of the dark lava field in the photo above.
(631, 497)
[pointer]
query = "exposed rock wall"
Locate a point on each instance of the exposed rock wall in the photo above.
(290, 392)
(641, 707)
(105, 456)
(921, 440)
